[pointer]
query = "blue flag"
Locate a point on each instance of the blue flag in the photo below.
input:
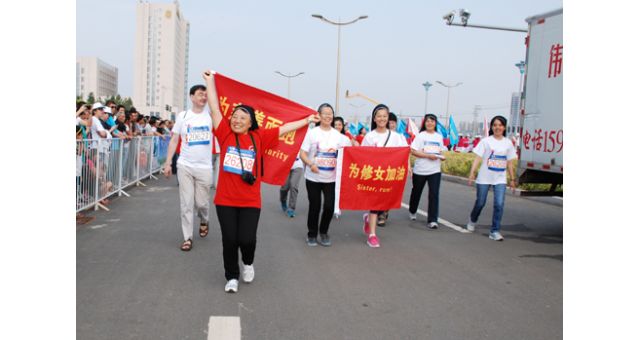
(402, 128)
(441, 130)
(453, 132)
(353, 129)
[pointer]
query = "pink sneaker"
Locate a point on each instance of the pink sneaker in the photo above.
(373, 242)
(365, 228)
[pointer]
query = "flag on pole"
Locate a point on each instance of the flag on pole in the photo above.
(353, 128)
(402, 128)
(453, 132)
(485, 128)
(442, 130)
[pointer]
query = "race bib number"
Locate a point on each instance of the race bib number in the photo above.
(432, 148)
(232, 160)
(198, 135)
(497, 163)
(326, 160)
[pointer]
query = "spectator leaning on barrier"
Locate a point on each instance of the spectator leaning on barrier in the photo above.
(193, 127)
(238, 202)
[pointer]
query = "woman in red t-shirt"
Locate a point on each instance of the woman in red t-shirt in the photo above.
(242, 144)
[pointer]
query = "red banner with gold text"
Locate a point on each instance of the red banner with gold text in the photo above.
(371, 178)
(272, 111)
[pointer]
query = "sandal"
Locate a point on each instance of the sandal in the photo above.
(186, 245)
(204, 230)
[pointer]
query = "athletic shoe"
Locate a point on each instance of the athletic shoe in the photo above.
(248, 273)
(312, 242)
(496, 236)
(365, 228)
(373, 241)
(231, 286)
(291, 213)
(433, 225)
(471, 226)
(283, 205)
(325, 240)
(412, 217)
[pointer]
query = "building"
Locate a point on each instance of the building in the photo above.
(513, 116)
(95, 76)
(161, 60)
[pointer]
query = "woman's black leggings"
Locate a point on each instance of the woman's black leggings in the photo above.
(238, 226)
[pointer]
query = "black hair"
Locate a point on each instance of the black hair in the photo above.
(248, 109)
(424, 120)
(79, 105)
(153, 120)
(393, 117)
(502, 120)
(109, 102)
(344, 128)
(195, 88)
(119, 106)
(373, 115)
(133, 109)
(323, 105)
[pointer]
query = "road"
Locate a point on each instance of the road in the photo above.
(133, 282)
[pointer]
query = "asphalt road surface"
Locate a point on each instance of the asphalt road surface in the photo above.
(133, 282)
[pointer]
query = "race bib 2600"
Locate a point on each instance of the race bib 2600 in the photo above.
(497, 163)
(232, 160)
(326, 160)
(198, 135)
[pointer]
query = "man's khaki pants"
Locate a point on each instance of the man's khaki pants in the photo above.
(194, 188)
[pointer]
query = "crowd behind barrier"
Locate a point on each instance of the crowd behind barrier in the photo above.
(106, 167)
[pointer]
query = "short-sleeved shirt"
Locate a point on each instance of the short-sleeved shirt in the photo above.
(196, 138)
(322, 148)
(375, 138)
(429, 143)
(232, 190)
(495, 156)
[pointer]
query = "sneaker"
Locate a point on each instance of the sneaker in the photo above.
(412, 217)
(373, 241)
(433, 225)
(291, 213)
(496, 236)
(325, 240)
(365, 228)
(312, 242)
(283, 205)
(231, 286)
(381, 221)
(471, 226)
(248, 273)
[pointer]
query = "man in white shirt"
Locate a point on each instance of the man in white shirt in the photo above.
(195, 173)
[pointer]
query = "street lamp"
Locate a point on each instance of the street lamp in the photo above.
(520, 67)
(464, 18)
(448, 95)
(426, 85)
(289, 81)
(339, 24)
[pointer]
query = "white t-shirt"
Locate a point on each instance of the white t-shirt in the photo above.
(298, 163)
(322, 148)
(495, 155)
(374, 138)
(429, 143)
(195, 131)
(96, 126)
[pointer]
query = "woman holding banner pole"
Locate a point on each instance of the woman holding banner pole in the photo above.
(237, 200)
(319, 152)
(379, 136)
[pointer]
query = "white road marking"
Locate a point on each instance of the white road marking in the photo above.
(98, 226)
(224, 328)
(440, 220)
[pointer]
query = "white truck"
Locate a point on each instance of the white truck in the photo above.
(540, 120)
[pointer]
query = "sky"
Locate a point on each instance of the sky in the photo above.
(386, 57)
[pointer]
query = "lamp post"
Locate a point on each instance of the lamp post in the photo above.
(289, 81)
(426, 85)
(520, 67)
(448, 96)
(339, 24)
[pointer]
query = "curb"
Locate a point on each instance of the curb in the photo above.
(547, 200)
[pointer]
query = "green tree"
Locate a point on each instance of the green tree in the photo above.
(91, 98)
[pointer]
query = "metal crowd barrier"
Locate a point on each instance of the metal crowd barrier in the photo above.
(105, 167)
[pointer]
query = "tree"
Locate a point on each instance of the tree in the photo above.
(91, 98)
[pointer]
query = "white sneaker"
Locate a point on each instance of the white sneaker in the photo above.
(412, 216)
(433, 225)
(231, 286)
(248, 273)
(496, 236)
(471, 226)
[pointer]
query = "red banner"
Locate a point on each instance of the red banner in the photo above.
(271, 112)
(371, 178)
